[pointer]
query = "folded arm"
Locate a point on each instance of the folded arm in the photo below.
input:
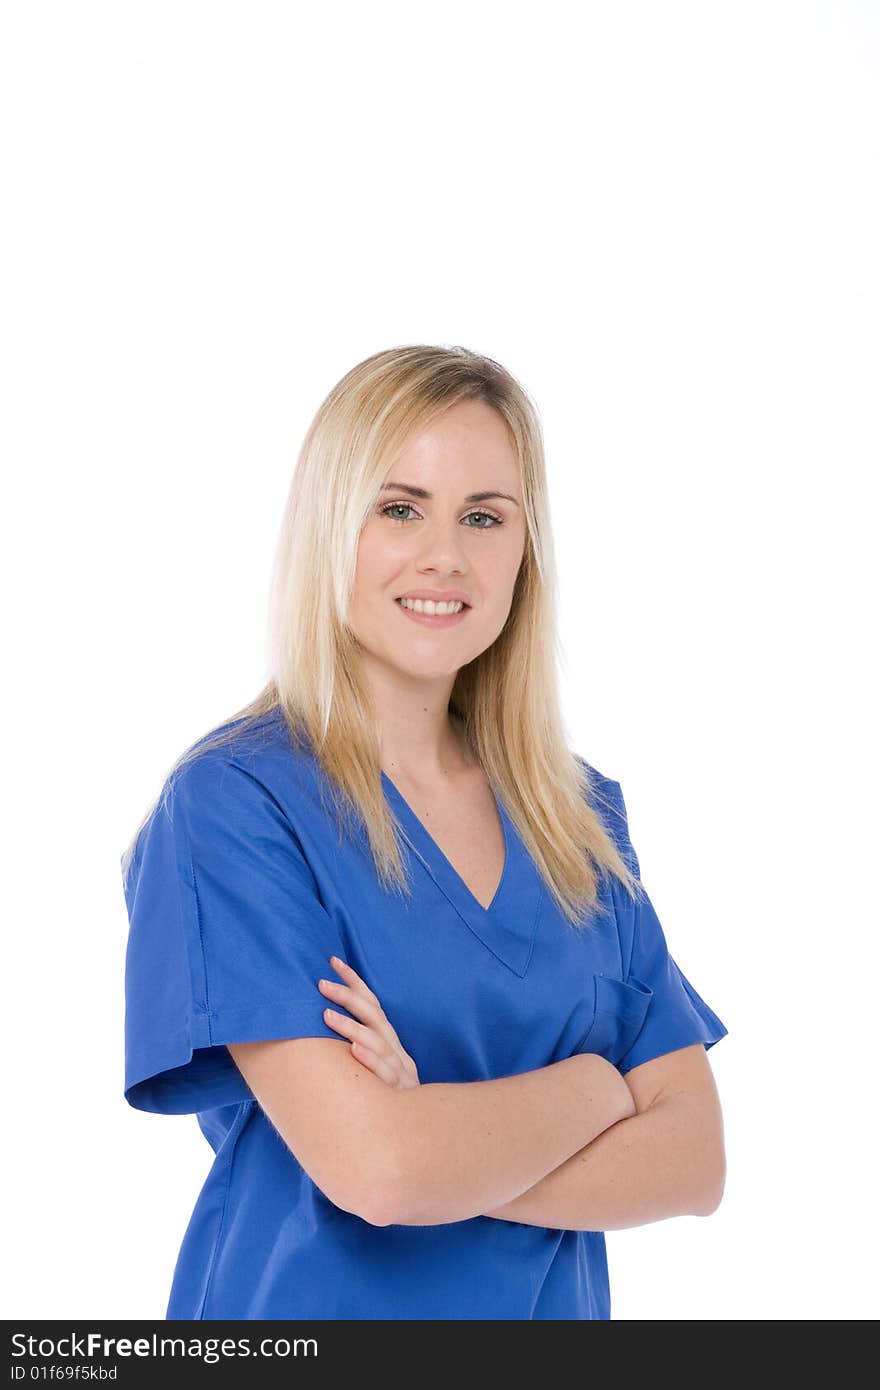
(457, 1141)
(665, 1160)
(438, 1152)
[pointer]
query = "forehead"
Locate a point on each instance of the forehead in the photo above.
(469, 440)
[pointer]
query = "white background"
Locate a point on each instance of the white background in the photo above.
(664, 219)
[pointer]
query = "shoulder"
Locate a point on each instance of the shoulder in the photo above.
(249, 767)
(256, 782)
(250, 787)
(605, 796)
(253, 741)
(600, 788)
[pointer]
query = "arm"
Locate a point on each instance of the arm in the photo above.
(457, 1142)
(665, 1160)
(431, 1154)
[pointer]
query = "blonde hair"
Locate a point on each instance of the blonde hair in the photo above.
(507, 698)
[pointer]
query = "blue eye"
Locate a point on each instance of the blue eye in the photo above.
(390, 507)
(396, 506)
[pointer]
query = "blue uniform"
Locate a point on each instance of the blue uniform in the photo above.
(239, 892)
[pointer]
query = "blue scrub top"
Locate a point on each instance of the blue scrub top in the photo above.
(238, 893)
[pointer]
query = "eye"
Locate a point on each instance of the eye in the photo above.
(396, 506)
(391, 507)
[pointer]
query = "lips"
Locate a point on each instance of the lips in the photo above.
(407, 598)
(434, 598)
(434, 620)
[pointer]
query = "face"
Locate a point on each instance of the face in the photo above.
(428, 535)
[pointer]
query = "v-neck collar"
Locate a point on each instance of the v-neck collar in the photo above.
(507, 927)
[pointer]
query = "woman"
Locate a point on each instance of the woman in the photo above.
(387, 934)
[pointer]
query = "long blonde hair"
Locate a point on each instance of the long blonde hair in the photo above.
(507, 698)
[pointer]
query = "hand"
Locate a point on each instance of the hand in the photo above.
(374, 1042)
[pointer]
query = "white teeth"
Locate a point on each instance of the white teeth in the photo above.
(428, 605)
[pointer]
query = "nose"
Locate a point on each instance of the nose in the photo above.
(441, 547)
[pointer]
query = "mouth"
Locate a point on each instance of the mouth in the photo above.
(425, 612)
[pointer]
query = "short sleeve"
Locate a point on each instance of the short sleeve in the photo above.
(227, 939)
(677, 1016)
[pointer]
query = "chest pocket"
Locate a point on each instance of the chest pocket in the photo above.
(621, 1006)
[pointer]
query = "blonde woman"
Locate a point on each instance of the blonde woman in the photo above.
(387, 934)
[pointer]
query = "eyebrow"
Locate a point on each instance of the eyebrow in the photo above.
(427, 496)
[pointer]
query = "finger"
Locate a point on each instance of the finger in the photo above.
(365, 1042)
(364, 1009)
(359, 1000)
(357, 1032)
(374, 1063)
(351, 977)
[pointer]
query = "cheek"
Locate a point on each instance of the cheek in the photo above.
(376, 565)
(371, 568)
(380, 554)
(497, 580)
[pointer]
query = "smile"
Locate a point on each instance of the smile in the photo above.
(425, 612)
